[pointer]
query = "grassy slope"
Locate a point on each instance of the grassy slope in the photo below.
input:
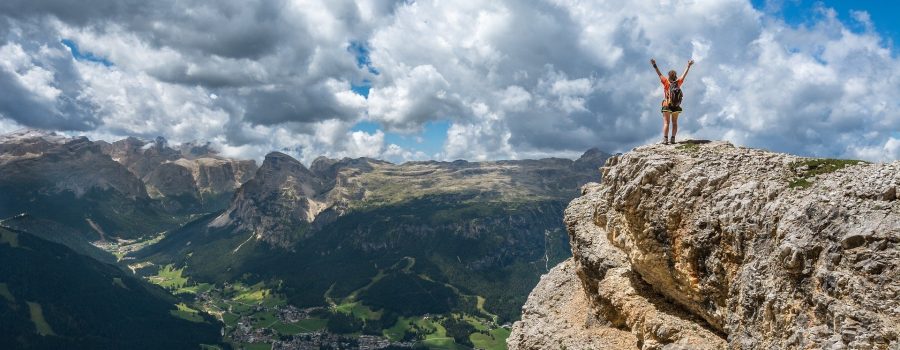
(806, 170)
(56, 298)
(115, 214)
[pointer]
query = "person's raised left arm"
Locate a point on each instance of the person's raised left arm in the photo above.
(686, 70)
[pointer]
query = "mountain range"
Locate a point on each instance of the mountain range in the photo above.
(399, 252)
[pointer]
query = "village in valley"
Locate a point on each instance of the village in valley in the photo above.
(256, 317)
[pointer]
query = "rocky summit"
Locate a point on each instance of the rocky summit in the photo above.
(704, 245)
(277, 202)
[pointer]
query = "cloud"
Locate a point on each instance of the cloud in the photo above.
(422, 94)
(515, 79)
(272, 66)
(41, 91)
(398, 154)
(890, 150)
(580, 69)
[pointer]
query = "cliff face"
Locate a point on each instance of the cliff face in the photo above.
(190, 178)
(278, 203)
(49, 164)
(713, 246)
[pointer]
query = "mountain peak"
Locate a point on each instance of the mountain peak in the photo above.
(591, 152)
(279, 200)
(277, 159)
(193, 149)
(275, 155)
(280, 164)
(591, 159)
(33, 137)
(188, 177)
(31, 133)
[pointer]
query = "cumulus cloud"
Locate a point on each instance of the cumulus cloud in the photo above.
(887, 152)
(418, 96)
(515, 79)
(42, 90)
(563, 75)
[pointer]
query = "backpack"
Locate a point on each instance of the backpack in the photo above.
(675, 94)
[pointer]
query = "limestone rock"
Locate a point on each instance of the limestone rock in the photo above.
(189, 177)
(69, 180)
(170, 179)
(561, 318)
(707, 245)
(278, 203)
(213, 175)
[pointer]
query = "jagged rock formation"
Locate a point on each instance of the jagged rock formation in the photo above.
(190, 177)
(139, 156)
(590, 160)
(76, 182)
(214, 175)
(562, 319)
(285, 201)
(714, 246)
(278, 203)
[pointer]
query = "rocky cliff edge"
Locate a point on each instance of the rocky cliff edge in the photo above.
(704, 245)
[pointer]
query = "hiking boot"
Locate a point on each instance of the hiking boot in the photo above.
(665, 141)
(672, 140)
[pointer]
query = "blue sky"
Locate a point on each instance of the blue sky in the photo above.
(429, 141)
(883, 13)
(84, 56)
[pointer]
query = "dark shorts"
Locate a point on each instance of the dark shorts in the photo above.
(676, 109)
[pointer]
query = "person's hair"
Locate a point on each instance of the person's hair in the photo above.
(673, 76)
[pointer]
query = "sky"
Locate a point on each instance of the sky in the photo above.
(467, 79)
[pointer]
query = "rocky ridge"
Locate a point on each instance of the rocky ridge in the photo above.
(286, 200)
(72, 182)
(51, 163)
(711, 246)
(126, 189)
(195, 175)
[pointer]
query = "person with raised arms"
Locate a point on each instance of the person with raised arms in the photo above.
(671, 104)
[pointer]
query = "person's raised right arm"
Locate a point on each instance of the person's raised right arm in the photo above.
(653, 62)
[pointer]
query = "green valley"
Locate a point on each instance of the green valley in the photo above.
(332, 282)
